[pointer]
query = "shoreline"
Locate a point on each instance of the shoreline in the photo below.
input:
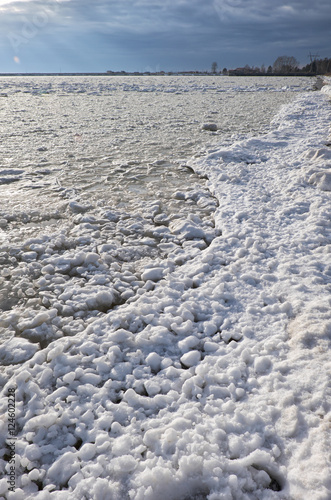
(183, 73)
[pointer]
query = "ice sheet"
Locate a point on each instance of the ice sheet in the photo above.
(175, 358)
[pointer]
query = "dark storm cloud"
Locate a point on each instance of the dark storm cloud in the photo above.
(169, 33)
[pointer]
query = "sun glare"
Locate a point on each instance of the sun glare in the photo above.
(6, 2)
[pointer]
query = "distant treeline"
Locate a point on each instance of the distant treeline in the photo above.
(283, 66)
(319, 66)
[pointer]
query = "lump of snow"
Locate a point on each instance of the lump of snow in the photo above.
(48, 269)
(17, 350)
(38, 320)
(56, 351)
(120, 336)
(186, 344)
(262, 364)
(124, 464)
(153, 274)
(288, 424)
(104, 298)
(179, 195)
(210, 328)
(33, 452)
(190, 358)
(87, 451)
(235, 446)
(29, 256)
(122, 445)
(91, 258)
(187, 229)
(209, 126)
(63, 468)
(77, 208)
(45, 420)
(152, 388)
(322, 180)
(159, 335)
(154, 361)
(326, 89)
(183, 328)
(121, 370)
(210, 346)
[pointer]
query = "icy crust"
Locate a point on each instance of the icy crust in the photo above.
(103, 136)
(44, 86)
(102, 258)
(326, 89)
(170, 359)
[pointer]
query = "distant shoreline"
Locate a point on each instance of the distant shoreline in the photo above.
(180, 73)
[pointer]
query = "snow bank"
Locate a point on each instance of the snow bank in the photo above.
(326, 89)
(186, 362)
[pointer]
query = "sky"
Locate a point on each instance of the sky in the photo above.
(159, 35)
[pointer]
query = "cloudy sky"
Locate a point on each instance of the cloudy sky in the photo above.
(154, 35)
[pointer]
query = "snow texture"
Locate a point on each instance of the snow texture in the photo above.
(195, 364)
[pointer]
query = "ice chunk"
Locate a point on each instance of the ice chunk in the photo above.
(209, 126)
(152, 388)
(33, 452)
(188, 343)
(122, 445)
(56, 351)
(17, 350)
(44, 420)
(37, 320)
(63, 468)
(29, 256)
(153, 274)
(187, 229)
(104, 298)
(87, 452)
(91, 258)
(190, 358)
(78, 208)
(262, 364)
(154, 361)
(124, 464)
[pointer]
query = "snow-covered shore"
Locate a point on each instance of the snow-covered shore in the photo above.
(210, 378)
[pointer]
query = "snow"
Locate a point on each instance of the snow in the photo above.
(16, 350)
(153, 274)
(179, 357)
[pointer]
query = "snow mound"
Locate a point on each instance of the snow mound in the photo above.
(322, 180)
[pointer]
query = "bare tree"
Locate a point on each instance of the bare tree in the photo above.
(214, 67)
(285, 64)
